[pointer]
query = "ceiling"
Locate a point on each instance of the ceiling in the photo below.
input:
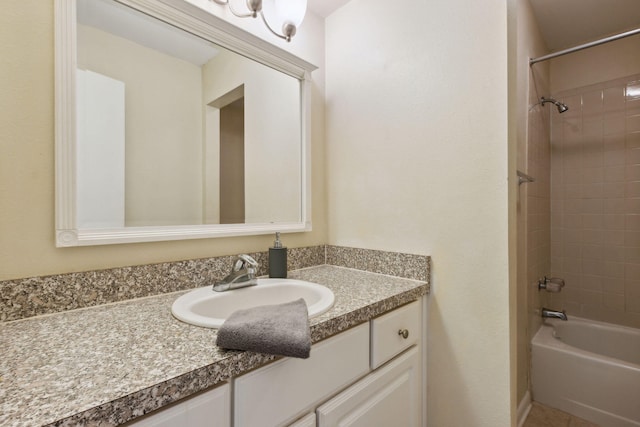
(563, 23)
(568, 23)
(325, 8)
(144, 30)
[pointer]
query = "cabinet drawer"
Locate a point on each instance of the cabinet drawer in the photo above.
(390, 396)
(387, 339)
(280, 392)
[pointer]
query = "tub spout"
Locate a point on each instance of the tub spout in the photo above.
(546, 313)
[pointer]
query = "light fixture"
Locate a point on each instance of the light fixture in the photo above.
(289, 12)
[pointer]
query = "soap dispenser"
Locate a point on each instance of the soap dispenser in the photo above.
(278, 259)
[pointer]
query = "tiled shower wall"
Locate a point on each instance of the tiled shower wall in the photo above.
(595, 201)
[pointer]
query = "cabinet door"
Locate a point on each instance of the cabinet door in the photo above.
(209, 409)
(308, 421)
(390, 396)
(278, 393)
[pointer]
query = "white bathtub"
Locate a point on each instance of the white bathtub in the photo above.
(589, 369)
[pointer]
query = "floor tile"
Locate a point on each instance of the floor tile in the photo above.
(544, 416)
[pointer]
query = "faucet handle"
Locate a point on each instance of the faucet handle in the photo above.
(555, 280)
(551, 284)
(244, 261)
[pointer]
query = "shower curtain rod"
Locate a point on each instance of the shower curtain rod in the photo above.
(584, 46)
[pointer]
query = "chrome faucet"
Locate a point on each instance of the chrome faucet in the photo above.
(243, 274)
(546, 313)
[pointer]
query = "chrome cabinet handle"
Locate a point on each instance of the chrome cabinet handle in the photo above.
(404, 333)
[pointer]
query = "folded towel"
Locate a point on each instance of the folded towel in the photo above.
(281, 329)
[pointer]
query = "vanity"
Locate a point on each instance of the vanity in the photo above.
(344, 382)
(116, 363)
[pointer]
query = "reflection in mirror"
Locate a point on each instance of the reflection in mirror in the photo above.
(173, 130)
(154, 101)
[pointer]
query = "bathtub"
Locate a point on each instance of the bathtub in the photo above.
(589, 369)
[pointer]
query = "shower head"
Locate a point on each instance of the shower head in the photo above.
(559, 105)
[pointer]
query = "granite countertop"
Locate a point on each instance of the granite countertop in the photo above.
(108, 364)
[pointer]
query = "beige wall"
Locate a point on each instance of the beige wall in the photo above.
(163, 186)
(272, 149)
(533, 200)
(417, 149)
(597, 64)
(27, 246)
(231, 159)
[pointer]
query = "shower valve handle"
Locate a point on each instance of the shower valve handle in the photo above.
(552, 284)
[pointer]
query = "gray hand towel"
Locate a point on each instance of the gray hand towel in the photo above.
(281, 329)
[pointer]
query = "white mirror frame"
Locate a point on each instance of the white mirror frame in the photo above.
(201, 23)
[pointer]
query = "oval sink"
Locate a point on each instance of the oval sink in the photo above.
(205, 307)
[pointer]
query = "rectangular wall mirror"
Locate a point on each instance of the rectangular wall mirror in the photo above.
(173, 124)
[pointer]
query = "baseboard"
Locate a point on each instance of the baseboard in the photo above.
(523, 408)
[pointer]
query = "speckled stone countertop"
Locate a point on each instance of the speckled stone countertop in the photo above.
(105, 365)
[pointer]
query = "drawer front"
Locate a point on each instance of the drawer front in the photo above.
(390, 396)
(394, 332)
(278, 393)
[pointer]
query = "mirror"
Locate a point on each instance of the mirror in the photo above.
(172, 124)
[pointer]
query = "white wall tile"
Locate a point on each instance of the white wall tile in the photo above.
(595, 230)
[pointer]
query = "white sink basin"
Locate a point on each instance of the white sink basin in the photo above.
(205, 307)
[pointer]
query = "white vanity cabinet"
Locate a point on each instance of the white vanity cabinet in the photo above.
(394, 332)
(368, 376)
(211, 408)
(279, 393)
(390, 396)
(373, 371)
(307, 421)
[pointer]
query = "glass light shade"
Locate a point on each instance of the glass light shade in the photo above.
(291, 11)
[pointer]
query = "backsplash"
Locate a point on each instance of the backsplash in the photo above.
(34, 296)
(397, 264)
